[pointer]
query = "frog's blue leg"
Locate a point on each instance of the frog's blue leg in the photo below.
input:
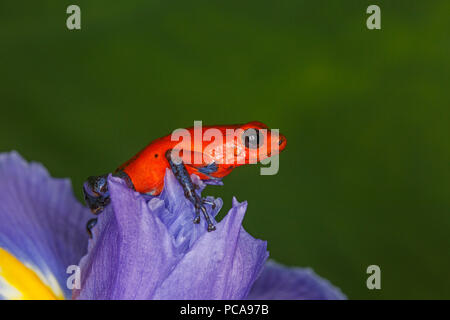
(211, 203)
(96, 194)
(208, 169)
(182, 175)
(90, 225)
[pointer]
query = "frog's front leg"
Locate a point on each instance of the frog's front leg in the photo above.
(181, 174)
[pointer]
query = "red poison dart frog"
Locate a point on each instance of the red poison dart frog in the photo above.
(213, 153)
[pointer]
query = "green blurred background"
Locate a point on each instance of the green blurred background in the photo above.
(365, 176)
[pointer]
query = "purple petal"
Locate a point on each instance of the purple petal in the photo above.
(42, 224)
(221, 265)
(278, 282)
(148, 248)
(130, 251)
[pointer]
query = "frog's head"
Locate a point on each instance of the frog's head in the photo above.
(260, 142)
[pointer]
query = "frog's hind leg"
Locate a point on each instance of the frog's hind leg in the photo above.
(90, 225)
(96, 193)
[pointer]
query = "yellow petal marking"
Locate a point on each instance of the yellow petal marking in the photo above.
(19, 282)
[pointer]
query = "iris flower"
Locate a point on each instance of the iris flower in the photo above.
(143, 247)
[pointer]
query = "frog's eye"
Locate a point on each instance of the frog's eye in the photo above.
(252, 138)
